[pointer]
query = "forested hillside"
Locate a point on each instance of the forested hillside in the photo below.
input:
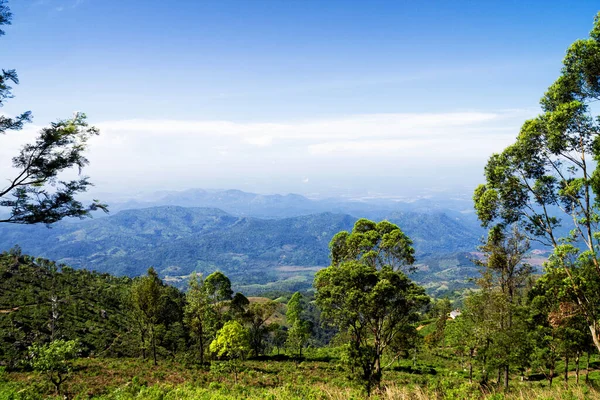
(178, 241)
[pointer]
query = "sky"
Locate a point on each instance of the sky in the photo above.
(390, 98)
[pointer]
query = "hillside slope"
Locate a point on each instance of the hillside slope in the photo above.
(178, 241)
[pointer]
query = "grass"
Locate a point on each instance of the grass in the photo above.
(320, 377)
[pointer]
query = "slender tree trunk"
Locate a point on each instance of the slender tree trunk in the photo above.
(471, 351)
(153, 344)
(587, 368)
(414, 357)
(594, 331)
(551, 376)
(577, 367)
(201, 350)
(499, 377)
(506, 376)
(566, 369)
(143, 338)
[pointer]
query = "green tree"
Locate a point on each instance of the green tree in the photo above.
(238, 307)
(441, 311)
(147, 294)
(257, 316)
(55, 360)
(375, 244)
(231, 343)
(365, 295)
(36, 194)
(218, 287)
(299, 326)
(200, 316)
(559, 325)
(552, 170)
(504, 275)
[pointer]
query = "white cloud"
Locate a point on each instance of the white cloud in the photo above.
(181, 154)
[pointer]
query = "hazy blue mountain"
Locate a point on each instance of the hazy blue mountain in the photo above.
(241, 203)
(178, 240)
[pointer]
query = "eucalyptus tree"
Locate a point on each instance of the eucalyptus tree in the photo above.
(200, 316)
(148, 295)
(550, 175)
(366, 295)
(257, 316)
(35, 194)
(374, 244)
(299, 326)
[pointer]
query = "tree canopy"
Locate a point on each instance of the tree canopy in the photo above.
(551, 176)
(362, 292)
(36, 194)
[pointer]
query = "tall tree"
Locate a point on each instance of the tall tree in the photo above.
(200, 316)
(299, 326)
(552, 170)
(147, 295)
(218, 287)
(258, 314)
(364, 294)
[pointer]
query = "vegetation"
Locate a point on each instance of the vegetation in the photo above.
(365, 329)
(54, 359)
(552, 171)
(258, 255)
(35, 194)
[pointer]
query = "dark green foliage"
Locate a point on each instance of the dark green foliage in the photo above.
(158, 310)
(300, 326)
(40, 302)
(551, 175)
(365, 295)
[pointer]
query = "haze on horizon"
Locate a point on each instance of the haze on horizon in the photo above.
(315, 98)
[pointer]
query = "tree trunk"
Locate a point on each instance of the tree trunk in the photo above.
(594, 331)
(143, 337)
(153, 344)
(201, 351)
(587, 368)
(577, 367)
(551, 376)
(499, 377)
(506, 371)
(566, 369)
(377, 368)
(471, 366)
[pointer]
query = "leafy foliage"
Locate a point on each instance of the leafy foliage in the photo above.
(55, 360)
(35, 194)
(551, 173)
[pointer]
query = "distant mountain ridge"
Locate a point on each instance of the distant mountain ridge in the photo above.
(179, 240)
(242, 203)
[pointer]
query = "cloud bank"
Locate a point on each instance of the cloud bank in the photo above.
(323, 155)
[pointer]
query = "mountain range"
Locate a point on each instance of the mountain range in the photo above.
(270, 251)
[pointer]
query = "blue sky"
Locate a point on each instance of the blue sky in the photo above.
(315, 97)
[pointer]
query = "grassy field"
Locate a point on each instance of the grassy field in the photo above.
(319, 377)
